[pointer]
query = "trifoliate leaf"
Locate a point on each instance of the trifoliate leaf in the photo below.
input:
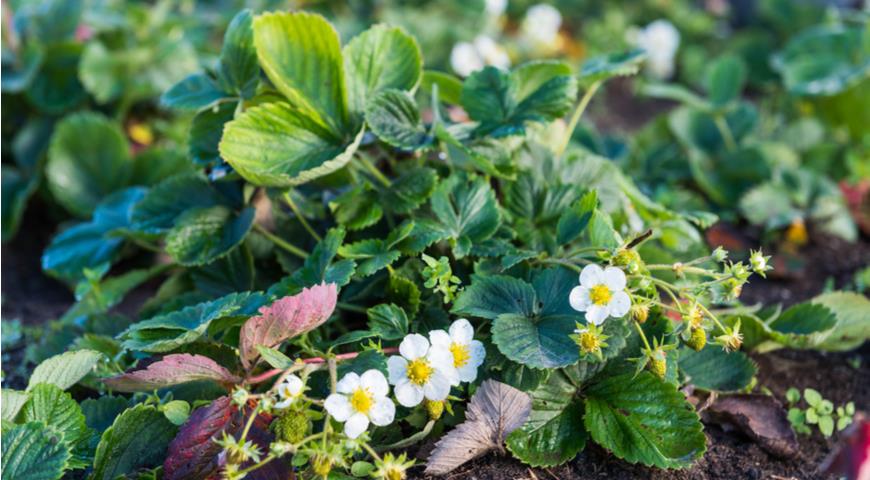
(715, 369)
(493, 413)
(319, 267)
(371, 255)
(138, 438)
(64, 370)
(552, 434)
(467, 209)
(204, 234)
(605, 67)
(171, 370)
(81, 172)
(642, 419)
(410, 190)
(33, 451)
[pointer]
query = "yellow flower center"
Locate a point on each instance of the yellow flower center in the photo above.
(419, 371)
(361, 400)
(589, 342)
(461, 354)
(600, 294)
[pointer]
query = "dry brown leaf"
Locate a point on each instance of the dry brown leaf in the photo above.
(761, 417)
(495, 411)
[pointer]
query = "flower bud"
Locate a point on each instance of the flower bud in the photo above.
(639, 312)
(292, 426)
(758, 262)
(697, 340)
(719, 254)
(694, 317)
(240, 397)
(629, 259)
(392, 467)
(434, 408)
(321, 465)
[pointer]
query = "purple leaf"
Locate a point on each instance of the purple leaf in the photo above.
(285, 319)
(171, 370)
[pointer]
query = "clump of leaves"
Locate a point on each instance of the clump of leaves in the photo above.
(819, 411)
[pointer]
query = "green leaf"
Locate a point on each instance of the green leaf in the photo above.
(804, 319)
(378, 59)
(274, 358)
(467, 209)
(388, 321)
(410, 190)
(715, 369)
(357, 208)
(16, 190)
(318, 267)
(824, 60)
(393, 116)
(601, 231)
(157, 163)
(196, 92)
(202, 235)
(277, 144)
(239, 70)
(725, 79)
(101, 412)
(138, 438)
(56, 87)
(54, 407)
(813, 397)
(534, 92)
(449, 86)
(853, 320)
(169, 331)
(64, 370)
(33, 451)
(575, 219)
(162, 204)
(551, 435)
(300, 54)
(642, 419)
(176, 411)
(605, 67)
(495, 295)
(91, 244)
(826, 425)
(12, 401)
(371, 255)
(80, 171)
(233, 272)
(206, 131)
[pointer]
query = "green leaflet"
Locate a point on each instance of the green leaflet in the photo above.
(163, 203)
(239, 70)
(138, 438)
(81, 172)
(552, 435)
(202, 235)
(725, 79)
(853, 320)
(373, 254)
(394, 118)
(642, 419)
(12, 402)
(715, 369)
(319, 267)
(467, 210)
(33, 451)
(195, 92)
(64, 370)
(54, 407)
(605, 67)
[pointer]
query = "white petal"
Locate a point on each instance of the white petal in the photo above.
(591, 275)
(383, 412)
(348, 383)
(596, 314)
(356, 425)
(408, 394)
(461, 331)
(438, 386)
(285, 403)
(579, 298)
(414, 346)
(467, 372)
(440, 357)
(338, 406)
(614, 278)
(620, 304)
(294, 384)
(397, 368)
(478, 353)
(440, 338)
(375, 382)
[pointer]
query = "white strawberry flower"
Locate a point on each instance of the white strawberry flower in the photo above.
(289, 391)
(360, 399)
(541, 25)
(660, 40)
(468, 354)
(469, 57)
(421, 371)
(601, 294)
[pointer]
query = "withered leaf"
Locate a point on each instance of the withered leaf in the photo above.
(761, 417)
(495, 411)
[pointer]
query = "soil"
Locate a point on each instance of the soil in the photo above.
(841, 377)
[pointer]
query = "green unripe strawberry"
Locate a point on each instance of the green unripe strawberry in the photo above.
(658, 363)
(698, 339)
(434, 409)
(291, 427)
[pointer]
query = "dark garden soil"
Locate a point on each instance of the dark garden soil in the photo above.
(34, 299)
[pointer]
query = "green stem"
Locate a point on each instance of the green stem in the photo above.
(725, 131)
(685, 268)
(374, 171)
(556, 261)
(642, 336)
(575, 118)
(710, 314)
(281, 242)
(371, 451)
(302, 219)
(351, 308)
(412, 439)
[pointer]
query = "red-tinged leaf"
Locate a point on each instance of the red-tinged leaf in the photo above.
(194, 454)
(171, 370)
(287, 318)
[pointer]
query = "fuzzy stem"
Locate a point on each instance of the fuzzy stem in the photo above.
(302, 219)
(293, 249)
(642, 336)
(578, 112)
(374, 171)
